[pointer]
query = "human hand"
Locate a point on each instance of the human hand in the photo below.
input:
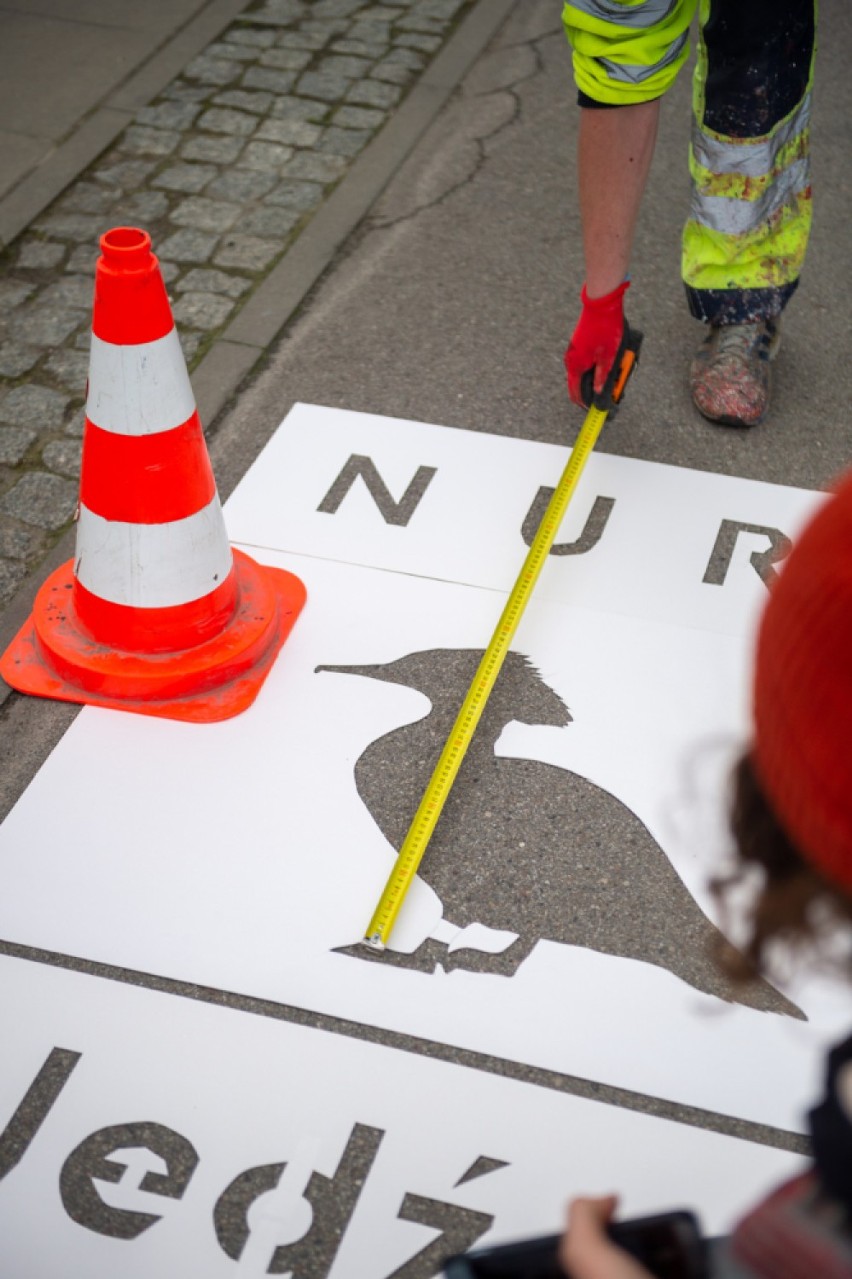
(595, 343)
(587, 1252)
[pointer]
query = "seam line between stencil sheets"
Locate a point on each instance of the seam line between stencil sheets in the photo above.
(504, 1067)
(374, 568)
(457, 581)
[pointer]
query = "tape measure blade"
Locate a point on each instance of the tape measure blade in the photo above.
(461, 734)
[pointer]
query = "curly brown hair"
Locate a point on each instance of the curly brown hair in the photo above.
(795, 903)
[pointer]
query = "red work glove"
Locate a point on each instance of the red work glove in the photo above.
(594, 343)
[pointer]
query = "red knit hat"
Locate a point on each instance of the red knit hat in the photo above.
(803, 691)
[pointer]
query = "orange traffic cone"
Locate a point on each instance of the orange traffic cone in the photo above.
(155, 613)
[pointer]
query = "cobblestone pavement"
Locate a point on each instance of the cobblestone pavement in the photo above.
(224, 169)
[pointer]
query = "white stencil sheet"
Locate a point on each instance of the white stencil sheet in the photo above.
(268, 1136)
(242, 856)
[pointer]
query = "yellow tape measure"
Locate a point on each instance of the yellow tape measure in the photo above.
(440, 784)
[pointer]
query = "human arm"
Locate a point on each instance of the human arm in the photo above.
(625, 59)
(615, 151)
(614, 156)
(586, 1252)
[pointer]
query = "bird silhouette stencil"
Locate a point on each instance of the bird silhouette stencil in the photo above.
(527, 847)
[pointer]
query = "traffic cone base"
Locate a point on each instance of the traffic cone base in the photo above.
(54, 655)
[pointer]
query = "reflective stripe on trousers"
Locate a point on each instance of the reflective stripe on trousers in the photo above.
(626, 52)
(643, 14)
(636, 73)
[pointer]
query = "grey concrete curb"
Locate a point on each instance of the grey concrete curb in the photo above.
(49, 179)
(243, 343)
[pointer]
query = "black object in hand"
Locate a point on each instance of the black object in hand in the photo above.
(669, 1245)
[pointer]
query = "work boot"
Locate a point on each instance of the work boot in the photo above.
(729, 377)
